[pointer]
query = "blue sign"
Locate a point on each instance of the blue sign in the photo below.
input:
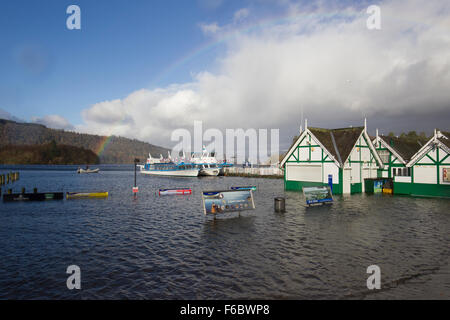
(315, 195)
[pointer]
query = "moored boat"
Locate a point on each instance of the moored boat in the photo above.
(206, 162)
(170, 169)
(208, 169)
(80, 170)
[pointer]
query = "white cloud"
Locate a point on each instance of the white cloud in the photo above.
(241, 14)
(209, 29)
(332, 66)
(8, 116)
(53, 121)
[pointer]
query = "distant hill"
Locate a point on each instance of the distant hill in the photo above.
(117, 150)
(49, 153)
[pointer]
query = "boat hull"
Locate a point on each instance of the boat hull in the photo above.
(79, 195)
(209, 172)
(88, 170)
(172, 173)
(163, 192)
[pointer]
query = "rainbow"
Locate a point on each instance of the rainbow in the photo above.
(342, 15)
(104, 142)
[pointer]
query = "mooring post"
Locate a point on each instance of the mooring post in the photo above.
(280, 205)
(135, 188)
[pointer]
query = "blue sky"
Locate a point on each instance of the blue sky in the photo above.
(142, 69)
(122, 46)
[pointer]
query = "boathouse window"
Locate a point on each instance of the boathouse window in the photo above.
(384, 156)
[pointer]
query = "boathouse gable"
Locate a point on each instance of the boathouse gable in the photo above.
(318, 155)
(308, 163)
(430, 169)
(363, 162)
(395, 153)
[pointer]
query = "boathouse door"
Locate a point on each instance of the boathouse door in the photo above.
(346, 180)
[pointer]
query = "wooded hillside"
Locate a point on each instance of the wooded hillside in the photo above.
(50, 153)
(118, 150)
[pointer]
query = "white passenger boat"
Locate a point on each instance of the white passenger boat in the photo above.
(162, 167)
(171, 169)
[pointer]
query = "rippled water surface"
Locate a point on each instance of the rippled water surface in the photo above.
(165, 248)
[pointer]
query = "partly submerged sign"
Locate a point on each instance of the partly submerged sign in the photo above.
(227, 201)
(315, 195)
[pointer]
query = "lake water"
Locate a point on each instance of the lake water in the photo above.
(165, 248)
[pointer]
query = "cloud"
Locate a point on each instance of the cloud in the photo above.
(209, 29)
(328, 66)
(54, 121)
(241, 14)
(8, 116)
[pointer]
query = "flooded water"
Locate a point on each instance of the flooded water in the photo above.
(165, 248)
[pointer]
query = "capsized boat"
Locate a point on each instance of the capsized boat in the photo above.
(253, 188)
(95, 194)
(176, 191)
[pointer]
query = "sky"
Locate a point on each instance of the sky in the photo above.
(141, 69)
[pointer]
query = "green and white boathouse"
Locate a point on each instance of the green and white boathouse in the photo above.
(346, 155)
(429, 169)
(395, 153)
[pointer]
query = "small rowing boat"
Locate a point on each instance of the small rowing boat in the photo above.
(177, 191)
(244, 188)
(79, 195)
(80, 170)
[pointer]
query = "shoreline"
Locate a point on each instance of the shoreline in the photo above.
(249, 175)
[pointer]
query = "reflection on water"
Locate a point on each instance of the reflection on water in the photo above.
(165, 248)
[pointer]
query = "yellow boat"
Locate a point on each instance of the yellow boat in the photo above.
(78, 195)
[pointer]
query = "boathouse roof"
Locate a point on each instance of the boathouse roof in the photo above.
(405, 147)
(344, 140)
